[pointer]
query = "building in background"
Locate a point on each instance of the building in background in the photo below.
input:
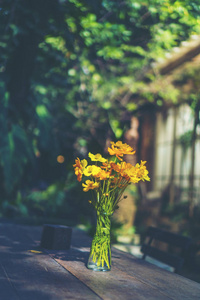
(170, 137)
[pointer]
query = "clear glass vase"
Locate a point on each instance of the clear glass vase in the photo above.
(100, 251)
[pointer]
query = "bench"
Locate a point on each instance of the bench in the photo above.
(176, 247)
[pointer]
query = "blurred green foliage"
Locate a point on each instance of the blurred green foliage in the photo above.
(68, 70)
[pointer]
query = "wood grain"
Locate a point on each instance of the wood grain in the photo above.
(56, 275)
(34, 276)
(172, 285)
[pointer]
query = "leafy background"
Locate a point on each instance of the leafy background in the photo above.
(72, 73)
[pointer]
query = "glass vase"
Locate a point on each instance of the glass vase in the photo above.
(100, 251)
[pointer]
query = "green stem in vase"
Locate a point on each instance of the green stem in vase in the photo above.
(100, 254)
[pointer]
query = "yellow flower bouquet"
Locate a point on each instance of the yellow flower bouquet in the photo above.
(107, 181)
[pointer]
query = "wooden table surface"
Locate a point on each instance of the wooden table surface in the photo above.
(56, 275)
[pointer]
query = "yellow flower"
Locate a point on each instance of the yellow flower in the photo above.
(142, 172)
(137, 173)
(132, 175)
(97, 157)
(90, 185)
(79, 167)
(91, 170)
(119, 149)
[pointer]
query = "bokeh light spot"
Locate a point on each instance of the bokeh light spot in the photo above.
(60, 159)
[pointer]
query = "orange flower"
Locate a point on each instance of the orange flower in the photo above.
(119, 149)
(102, 175)
(79, 167)
(121, 168)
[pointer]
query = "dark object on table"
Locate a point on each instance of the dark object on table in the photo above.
(179, 243)
(57, 237)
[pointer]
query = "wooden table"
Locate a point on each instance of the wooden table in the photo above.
(56, 275)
